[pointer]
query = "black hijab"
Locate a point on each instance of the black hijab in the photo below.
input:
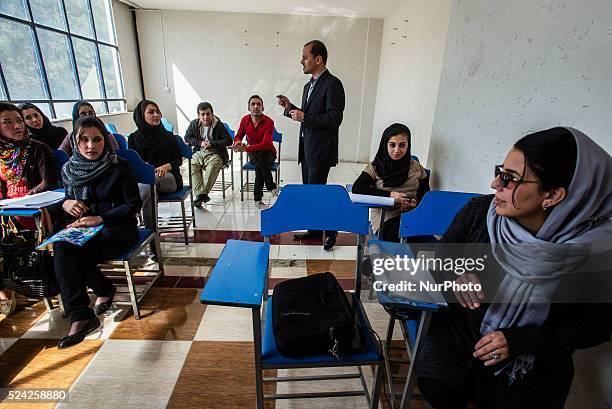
(392, 172)
(75, 111)
(49, 134)
(148, 137)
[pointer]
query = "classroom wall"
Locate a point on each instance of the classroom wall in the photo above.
(223, 58)
(128, 53)
(509, 71)
(124, 122)
(412, 51)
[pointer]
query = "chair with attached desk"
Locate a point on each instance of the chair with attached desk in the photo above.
(171, 224)
(145, 174)
(121, 140)
(430, 218)
(223, 185)
(246, 167)
(167, 125)
(240, 279)
(111, 128)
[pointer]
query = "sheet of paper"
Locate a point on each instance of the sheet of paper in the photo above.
(36, 201)
(372, 200)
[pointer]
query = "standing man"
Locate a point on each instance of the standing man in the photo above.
(258, 129)
(320, 117)
(209, 140)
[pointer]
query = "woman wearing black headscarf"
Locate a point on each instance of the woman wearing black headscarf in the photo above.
(82, 109)
(40, 126)
(393, 173)
(158, 147)
(100, 189)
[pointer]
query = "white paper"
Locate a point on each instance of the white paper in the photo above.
(372, 200)
(36, 201)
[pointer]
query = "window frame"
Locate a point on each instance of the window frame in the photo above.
(50, 101)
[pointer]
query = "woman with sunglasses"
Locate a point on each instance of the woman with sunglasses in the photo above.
(393, 173)
(552, 193)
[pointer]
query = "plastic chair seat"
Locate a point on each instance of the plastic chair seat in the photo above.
(250, 166)
(271, 357)
(178, 196)
(143, 235)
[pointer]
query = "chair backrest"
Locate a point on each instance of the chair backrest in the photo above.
(60, 158)
(277, 136)
(111, 128)
(186, 151)
(121, 141)
(145, 173)
(231, 132)
(414, 157)
(169, 127)
(434, 214)
(314, 207)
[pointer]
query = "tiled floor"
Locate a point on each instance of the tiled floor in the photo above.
(181, 354)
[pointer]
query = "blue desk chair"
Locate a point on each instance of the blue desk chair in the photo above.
(121, 140)
(223, 186)
(180, 196)
(60, 159)
(111, 128)
(169, 127)
(249, 167)
(430, 218)
(145, 173)
(318, 207)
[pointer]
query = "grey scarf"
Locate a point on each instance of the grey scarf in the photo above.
(576, 228)
(79, 171)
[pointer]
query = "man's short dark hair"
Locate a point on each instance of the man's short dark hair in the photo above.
(318, 48)
(203, 106)
(255, 96)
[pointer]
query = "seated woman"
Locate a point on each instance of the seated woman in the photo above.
(393, 173)
(79, 110)
(26, 167)
(100, 189)
(159, 148)
(553, 187)
(40, 126)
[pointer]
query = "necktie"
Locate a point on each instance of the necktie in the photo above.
(312, 84)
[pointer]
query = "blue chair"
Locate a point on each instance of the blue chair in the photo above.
(179, 197)
(249, 167)
(111, 128)
(60, 159)
(145, 174)
(121, 141)
(430, 218)
(319, 207)
(169, 127)
(223, 186)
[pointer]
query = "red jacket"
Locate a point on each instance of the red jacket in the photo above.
(259, 137)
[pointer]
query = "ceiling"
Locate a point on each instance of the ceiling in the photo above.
(345, 8)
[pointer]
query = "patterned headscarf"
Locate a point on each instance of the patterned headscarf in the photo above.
(79, 171)
(14, 155)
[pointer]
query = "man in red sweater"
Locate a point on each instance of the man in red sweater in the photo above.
(258, 129)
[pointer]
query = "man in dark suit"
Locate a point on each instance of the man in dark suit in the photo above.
(320, 117)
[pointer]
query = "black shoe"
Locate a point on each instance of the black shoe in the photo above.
(206, 198)
(310, 234)
(104, 306)
(330, 242)
(200, 199)
(78, 337)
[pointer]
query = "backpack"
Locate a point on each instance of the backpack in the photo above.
(312, 316)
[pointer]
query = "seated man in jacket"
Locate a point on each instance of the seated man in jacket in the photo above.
(209, 139)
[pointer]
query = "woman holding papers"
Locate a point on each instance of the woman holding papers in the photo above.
(393, 173)
(550, 212)
(100, 189)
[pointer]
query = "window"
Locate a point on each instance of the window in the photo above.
(56, 52)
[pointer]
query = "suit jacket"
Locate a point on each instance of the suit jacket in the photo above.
(322, 118)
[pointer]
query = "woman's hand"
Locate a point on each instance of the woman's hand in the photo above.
(469, 298)
(163, 169)
(398, 197)
(492, 348)
(87, 221)
(407, 204)
(74, 207)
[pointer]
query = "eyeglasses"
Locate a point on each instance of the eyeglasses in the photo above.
(505, 177)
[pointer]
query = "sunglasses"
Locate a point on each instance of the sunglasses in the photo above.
(505, 177)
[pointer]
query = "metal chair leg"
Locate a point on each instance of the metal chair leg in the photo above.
(132, 289)
(378, 378)
(241, 185)
(185, 233)
(193, 222)
(223, 181)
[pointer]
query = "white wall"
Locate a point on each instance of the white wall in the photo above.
(511, 70)
(124, 122)
(410, 65)
(223, 58)
(128, 53)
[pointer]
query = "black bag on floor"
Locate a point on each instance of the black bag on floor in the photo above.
(311, 316)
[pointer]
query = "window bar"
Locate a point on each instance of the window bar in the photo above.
(4, 84)
(121, 85)
(72, 55)
(99, 60)
(41, 63)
